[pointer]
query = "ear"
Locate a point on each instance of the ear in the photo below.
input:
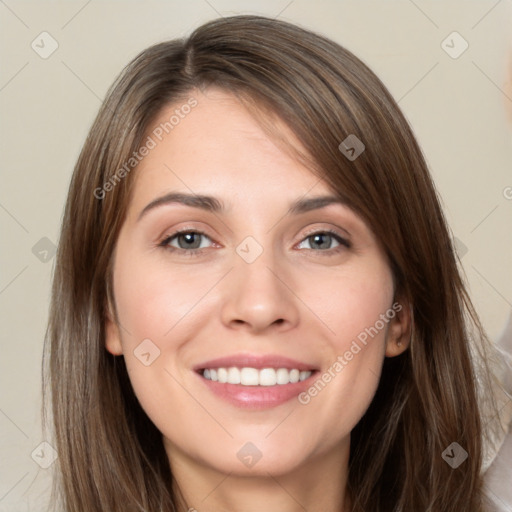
(112, 334)
(400, 329)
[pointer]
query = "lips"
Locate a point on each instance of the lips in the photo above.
(255, 361)
(257, 382)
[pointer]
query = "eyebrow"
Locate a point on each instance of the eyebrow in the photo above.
(214, 205)
(207, 203)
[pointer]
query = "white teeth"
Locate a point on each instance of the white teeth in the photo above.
(268, 377)
(233, 376)
(294, 375)
(222, 375)
(282, 376)
(249, 377)
(255, 377)
(304, 375)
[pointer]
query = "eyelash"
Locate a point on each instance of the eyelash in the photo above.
(344, 243)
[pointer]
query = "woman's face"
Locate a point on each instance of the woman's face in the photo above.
(278, 291)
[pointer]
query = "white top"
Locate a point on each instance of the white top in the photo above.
(498, 476)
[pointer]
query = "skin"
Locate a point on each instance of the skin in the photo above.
(297, 299)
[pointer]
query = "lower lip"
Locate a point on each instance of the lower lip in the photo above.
(257, 397)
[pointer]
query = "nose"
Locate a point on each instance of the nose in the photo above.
(258, 297)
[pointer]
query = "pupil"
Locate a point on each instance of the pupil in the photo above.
(191, 240)
(322, 240)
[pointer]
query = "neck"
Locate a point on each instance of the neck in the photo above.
(318, 485)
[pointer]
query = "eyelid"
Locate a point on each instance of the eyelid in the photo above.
(164, 241)
(195, 226)
(345, 239)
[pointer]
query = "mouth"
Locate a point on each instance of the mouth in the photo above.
(256, 382)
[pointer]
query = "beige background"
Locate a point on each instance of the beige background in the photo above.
(457, 108)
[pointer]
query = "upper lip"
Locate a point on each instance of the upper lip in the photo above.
(255, 361)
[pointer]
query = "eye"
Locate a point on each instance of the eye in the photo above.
(323, 241)
(186, 241)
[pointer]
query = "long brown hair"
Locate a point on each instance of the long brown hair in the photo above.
(111, 456)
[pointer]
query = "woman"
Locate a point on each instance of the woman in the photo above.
(256, 303)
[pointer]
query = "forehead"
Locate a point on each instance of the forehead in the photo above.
(218, 147)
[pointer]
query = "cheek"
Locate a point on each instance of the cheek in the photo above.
(152, 301)
(352, 308)
(160, 312)
(349, 304)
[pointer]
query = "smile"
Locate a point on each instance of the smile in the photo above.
(256, 377)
